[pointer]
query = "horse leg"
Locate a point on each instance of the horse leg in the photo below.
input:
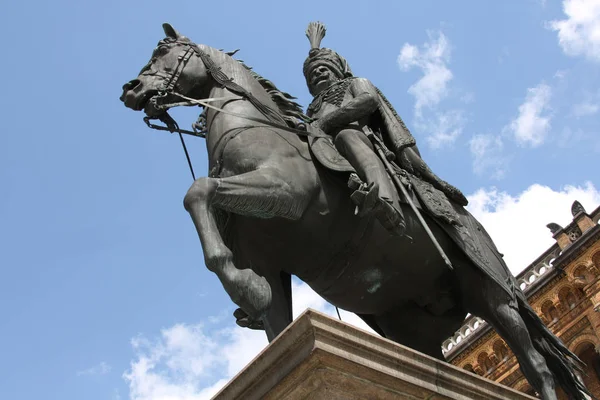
(261, 193)
(245, 288)
(415, 327)
(511, 327)
(279, 315)
(485, 298)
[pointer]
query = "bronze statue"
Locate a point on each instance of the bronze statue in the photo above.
(277, 202)
(347, 108)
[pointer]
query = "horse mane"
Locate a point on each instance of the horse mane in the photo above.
(290, 110)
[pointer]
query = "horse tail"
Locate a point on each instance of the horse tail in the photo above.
(560, 360)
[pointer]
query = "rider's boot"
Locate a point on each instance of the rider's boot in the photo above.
(369, 200)
(377, 196)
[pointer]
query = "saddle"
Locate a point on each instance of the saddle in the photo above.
(324, 151)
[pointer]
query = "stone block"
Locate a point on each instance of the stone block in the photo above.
(318, 357)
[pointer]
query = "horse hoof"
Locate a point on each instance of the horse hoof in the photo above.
(254, 294)
(245, 321)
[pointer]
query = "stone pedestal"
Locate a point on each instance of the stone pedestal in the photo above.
(318, 357)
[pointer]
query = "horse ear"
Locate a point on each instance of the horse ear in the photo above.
(170, 31)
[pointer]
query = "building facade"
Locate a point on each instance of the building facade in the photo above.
(563, 287)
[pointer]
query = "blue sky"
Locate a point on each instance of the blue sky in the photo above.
(103, 290)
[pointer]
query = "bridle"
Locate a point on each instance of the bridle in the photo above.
(273, 118)
(168, 88)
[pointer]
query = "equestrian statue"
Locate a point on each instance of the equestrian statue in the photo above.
(341, 198)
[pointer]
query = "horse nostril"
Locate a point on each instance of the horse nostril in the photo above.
(131, 84)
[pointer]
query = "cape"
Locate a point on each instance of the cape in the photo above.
(467, 233)
(393, 130)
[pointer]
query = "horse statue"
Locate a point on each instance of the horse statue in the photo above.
(268, 211)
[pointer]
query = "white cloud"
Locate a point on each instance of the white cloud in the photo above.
(244, 345)
(532, 124)
(304, 297)
(560, 74)
(193, 362)
(444, 128)
(99, 369)
(579, 33)
(518, 223)
(431, 58)
(585, 108)
(189, 362)
(441, 127)
(487, 152)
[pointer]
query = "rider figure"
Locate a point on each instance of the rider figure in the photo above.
(346, 107)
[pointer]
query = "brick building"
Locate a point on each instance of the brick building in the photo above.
(563, 287)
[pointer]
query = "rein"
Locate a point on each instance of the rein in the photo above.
(274, 119)
(206, 103)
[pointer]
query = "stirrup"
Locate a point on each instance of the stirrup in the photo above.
(365, 198)
(367, 201)
(391, 218)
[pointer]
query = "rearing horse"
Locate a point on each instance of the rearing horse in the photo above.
(268, 211)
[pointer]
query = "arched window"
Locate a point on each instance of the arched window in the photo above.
(587, 353)
(550, 311)
(500, 350)
(571, 300)
(596, 259)
(484, 362)
(582, 274)
(567, 298)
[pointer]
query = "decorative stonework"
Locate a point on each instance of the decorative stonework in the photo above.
(577, 209)
(574, 233)
(584, 338)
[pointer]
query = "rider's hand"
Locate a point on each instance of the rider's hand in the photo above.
(455, 194)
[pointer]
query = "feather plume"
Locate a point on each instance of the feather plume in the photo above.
(315, 33)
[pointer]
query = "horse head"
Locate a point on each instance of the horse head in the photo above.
(173, 68)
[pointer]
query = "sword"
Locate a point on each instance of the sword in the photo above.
(380, 147)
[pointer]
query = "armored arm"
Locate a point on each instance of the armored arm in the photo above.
(363, 104)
